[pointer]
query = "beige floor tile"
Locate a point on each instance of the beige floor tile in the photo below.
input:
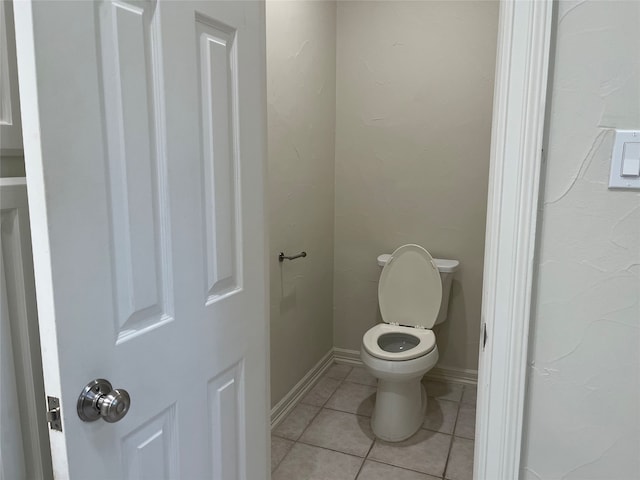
(425, 452)
(380, 471)
(360, 375)
(321, 392)
(344, 432)
(353, 398)
(470, 394)
(441, 415)
(338, 371)
(305, 462)
(466, 424)
(442, 390)
(295, 423)
(279, 448)
(460, 466)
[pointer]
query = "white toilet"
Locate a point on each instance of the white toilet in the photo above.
(413, 294)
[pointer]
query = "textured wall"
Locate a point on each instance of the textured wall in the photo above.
(414, 100)
(583, 404)
(301, 124)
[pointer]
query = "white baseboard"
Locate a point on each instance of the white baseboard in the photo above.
(346, 356)
(452, 374)
(447, 374)
(300, 389)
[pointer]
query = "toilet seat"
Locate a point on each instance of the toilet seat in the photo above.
(409, 295)
(427, 342)
(410, 288)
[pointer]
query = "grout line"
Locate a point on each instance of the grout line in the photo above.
(366, 457)
(453, 433)
(341, 381)
(321, 407)
(310, 422)
(403, 468)
(308, 425)
(273, 469)
(344, 411)
(330, 449)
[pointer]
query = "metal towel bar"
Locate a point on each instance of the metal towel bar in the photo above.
(282, 257)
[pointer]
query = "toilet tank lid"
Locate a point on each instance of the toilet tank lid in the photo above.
(444, 265)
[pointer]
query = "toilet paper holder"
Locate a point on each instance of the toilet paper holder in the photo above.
(282, 257)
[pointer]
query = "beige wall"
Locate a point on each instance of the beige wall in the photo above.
(414, 102)
(583, 416)
(11, 166)
(301, 107)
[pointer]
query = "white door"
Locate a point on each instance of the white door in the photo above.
(144, 133)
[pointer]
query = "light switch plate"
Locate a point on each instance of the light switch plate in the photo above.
(623, 160)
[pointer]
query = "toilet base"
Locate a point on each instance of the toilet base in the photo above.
(399, 410)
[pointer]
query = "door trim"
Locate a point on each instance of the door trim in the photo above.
(24, 328)
(524, 38)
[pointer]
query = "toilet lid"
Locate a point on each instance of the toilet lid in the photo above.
(410, 288)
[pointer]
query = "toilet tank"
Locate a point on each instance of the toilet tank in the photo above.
(447, 268)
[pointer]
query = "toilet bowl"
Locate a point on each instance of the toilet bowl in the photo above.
(401, 350)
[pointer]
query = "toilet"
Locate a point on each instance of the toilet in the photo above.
(413, 295)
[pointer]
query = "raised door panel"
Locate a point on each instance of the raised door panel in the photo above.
(136, 167)
(217, 56)
(226, 423)
(150, 451)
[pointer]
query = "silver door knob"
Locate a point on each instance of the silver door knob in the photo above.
(99, 399)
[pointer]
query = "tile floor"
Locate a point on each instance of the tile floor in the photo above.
(327, 436)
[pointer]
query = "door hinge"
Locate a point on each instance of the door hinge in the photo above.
(54, 419)
(485, 336)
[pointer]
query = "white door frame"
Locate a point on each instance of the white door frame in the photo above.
(524, 37)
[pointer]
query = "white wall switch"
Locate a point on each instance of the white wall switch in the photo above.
(625, 160)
